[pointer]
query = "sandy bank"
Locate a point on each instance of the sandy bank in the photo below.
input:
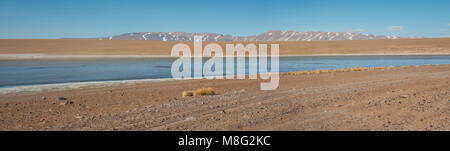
(45, 56)
(77, 48)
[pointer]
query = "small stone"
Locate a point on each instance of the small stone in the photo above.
(62, 98)
(43, 97)
(403, 96)
(190, 118)
(66, 102)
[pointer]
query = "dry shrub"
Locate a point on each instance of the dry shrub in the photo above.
(204, 91)
(345, 70)
(199, 92)
(335, 70)
(188, 93)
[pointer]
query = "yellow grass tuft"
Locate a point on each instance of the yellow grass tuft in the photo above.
(343, 70)
(188, 93)
(204, 91)
(199, 92)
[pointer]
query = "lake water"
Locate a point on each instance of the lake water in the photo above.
(33, 72)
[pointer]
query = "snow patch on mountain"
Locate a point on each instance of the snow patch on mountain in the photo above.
(273, 35)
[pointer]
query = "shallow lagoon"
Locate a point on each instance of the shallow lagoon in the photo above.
(33, 72)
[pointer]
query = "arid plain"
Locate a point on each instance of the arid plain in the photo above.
(398, 98)
(14, 47)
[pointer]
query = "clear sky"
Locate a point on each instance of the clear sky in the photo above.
(101, 18)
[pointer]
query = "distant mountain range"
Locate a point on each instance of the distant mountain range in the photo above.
(274, 35)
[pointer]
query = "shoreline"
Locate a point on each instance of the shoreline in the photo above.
(40, 88)
(57, 57)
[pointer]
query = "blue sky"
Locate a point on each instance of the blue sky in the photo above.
(101, 18)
